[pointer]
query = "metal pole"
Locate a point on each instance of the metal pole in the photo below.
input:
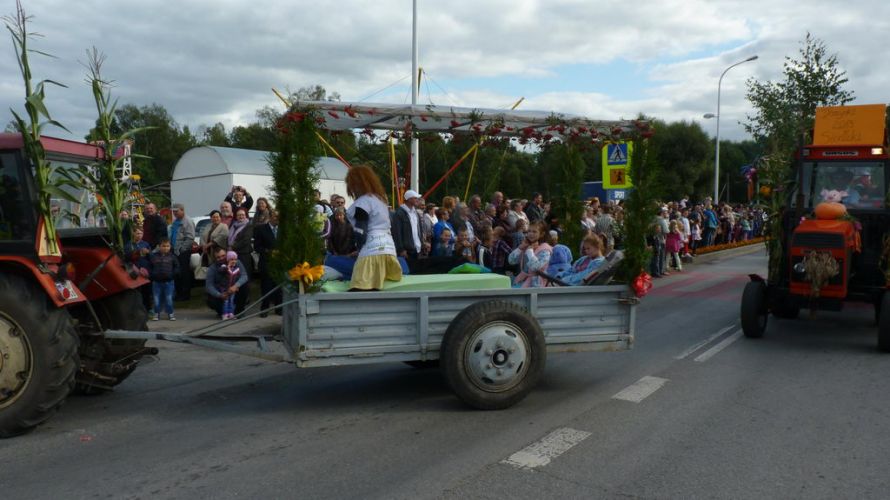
(717, 148)
(415, 144)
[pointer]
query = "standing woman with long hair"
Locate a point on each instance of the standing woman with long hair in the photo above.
(262, 213)
(369, 216)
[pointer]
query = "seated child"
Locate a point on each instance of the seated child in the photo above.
(499, 250)
(592, 248)
(561, 259)
(463, 247)
(518, 236)
(532, 256)
(445, 246)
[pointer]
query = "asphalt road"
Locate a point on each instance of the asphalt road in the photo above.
(694, 411)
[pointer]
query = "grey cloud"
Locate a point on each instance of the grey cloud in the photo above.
(216, 61)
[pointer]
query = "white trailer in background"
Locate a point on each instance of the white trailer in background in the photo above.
(205, 174)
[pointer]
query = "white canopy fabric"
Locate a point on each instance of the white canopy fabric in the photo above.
(203, 161)
(449, 119)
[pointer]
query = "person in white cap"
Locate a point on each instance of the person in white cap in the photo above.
(406, 230)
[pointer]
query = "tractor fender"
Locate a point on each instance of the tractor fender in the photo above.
(63, 292)
(111, 276)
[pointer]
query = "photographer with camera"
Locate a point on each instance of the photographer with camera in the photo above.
(239, 198)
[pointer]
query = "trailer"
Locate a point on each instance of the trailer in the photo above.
(490, 344)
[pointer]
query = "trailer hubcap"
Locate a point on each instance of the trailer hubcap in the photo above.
(15, 362)
(495, 357)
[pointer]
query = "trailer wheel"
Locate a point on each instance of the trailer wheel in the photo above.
(107, 362)
(38, 356)
(884, 324)
(753, 311)
(493, 354)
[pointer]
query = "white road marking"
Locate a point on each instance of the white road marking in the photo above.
(703, 343)
(641, 389)
(719, 347)
(544, 451)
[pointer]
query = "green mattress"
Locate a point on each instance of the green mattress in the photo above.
(433, 283)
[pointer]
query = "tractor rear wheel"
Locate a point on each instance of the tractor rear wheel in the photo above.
(38, 356)
(107, 362)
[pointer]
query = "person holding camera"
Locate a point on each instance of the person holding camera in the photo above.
(238, 197)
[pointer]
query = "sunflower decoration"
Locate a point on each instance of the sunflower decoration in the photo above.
(306, 274)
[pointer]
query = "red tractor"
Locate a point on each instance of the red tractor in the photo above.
(55, 305)
(836, 245)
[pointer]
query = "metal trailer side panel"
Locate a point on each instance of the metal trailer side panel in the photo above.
(327, 329)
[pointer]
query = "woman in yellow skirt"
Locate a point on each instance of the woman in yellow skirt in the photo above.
(369, 215)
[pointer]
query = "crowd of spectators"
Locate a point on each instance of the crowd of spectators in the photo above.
(516, 237)
(681, 228)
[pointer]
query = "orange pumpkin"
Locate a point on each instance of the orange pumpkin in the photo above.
(829, 210)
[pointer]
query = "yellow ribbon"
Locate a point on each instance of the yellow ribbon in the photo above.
(306, 273)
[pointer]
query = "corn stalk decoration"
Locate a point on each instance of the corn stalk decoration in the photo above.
(103, 176)
(50, 179)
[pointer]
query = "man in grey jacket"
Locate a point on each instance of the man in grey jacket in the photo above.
(182, 237)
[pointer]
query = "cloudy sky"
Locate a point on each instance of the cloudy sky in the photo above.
(215, 61)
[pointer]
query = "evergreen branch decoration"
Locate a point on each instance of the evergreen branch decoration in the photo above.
(639, 209)
(294, 180)
(569, 175)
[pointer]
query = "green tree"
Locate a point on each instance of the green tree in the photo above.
(784, 114)
(314, 93)
(786, 110)
(685, 153)
(215, 136)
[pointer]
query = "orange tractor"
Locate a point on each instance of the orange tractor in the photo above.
(836, 245)
(55, 305)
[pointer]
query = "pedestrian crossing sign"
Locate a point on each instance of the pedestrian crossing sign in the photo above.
(617, 154)
(616, 165)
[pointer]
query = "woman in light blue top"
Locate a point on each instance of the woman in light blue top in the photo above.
(592, 248)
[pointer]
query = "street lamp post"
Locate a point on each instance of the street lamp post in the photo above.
(717, 151)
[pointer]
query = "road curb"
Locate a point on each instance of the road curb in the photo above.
(731, 252)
